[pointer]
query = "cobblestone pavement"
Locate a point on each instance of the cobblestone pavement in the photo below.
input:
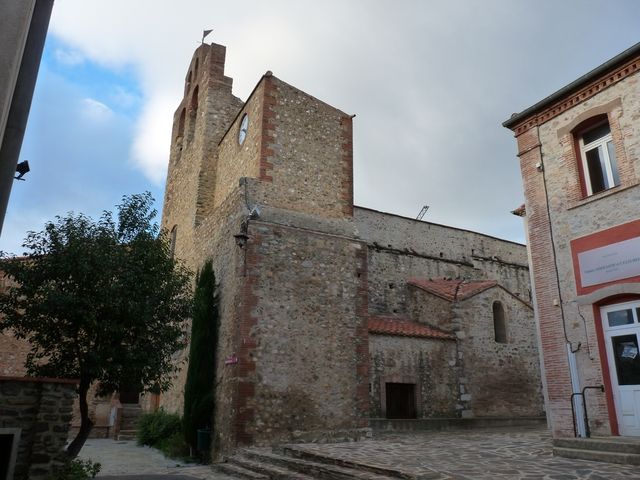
(124, 460)
(515, 454)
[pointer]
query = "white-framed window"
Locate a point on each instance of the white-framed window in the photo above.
(598, 159)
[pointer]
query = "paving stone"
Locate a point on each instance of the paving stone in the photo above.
(504, 454)
(125, 460)
(515, 453)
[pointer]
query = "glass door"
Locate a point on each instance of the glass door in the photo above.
(621, 328)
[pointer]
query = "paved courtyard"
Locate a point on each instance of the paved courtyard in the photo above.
(124, 460)
(518, 454)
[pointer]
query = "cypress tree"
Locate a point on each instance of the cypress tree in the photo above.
(199, 399)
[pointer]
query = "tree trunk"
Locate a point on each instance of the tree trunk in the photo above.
(85, 422)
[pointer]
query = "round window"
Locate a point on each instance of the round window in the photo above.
(244, 125)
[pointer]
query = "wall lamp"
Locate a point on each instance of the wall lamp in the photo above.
(241, 239)
(22, 168)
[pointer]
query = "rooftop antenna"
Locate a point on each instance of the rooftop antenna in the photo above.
(422, 212)
(205, 33)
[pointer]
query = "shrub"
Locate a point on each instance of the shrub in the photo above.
(174, 446)
(157, 426)
(77, 469)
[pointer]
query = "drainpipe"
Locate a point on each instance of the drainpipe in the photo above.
(581, 427)
(571, 352)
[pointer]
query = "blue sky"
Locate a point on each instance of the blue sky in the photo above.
(430, 83)
(78, 141)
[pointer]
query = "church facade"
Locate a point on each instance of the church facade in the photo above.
(333, 314)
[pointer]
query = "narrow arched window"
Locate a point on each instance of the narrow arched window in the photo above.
(499, 323)
(181, 122)
(193, 114)
(188, 85)
(194, 101)
(197, 63)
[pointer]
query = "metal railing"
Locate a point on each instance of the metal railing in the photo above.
(584, 409)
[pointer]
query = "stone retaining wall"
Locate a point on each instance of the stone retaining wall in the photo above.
(39, 411)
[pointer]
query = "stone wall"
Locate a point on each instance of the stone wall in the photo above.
(429, 309)
(401, 248)
(307, 153)
(304, 354)
(40, 409)
(13, 355)
(430, 364)
(498, 379)
(13, 351)
(234, 160)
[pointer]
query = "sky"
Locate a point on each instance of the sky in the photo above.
(430, 83)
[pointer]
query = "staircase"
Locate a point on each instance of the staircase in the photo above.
(293, 463)
(623, 450)
(129, 421)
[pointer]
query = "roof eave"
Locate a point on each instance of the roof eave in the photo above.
(575, 85)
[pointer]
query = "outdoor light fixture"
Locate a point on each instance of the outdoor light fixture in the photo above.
(22, 168)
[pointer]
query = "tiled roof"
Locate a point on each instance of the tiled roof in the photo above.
(453, 290)
(405, 328)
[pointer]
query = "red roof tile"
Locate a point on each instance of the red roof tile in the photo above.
(453, 290)
(405, 328)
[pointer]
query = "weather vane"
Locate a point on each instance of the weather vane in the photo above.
(205, 33)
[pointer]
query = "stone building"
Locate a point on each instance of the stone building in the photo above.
(579, 155)
(333, 314)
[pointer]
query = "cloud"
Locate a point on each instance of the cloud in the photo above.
(78, 151)
(123, 98)
(95, 111)
(150, 148)
(69, 58)
(430, 82)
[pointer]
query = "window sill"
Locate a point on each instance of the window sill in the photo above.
(603, 194)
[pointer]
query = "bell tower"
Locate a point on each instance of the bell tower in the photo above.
(203, 116)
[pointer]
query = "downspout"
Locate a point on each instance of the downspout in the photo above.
(571, 352)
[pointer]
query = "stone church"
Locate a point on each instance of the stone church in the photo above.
(333, 316)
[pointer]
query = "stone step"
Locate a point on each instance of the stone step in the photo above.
(237, 471)
(267, 470)
(598, 455)
(131, 408)
(604, 444)
(316, 469)
(127, 434)
(386, 471)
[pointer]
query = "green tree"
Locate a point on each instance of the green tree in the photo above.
(199, 392)
(100, 301)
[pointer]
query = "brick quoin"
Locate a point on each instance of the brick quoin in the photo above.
(268, 128)
(246, 345)
(553, 345)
